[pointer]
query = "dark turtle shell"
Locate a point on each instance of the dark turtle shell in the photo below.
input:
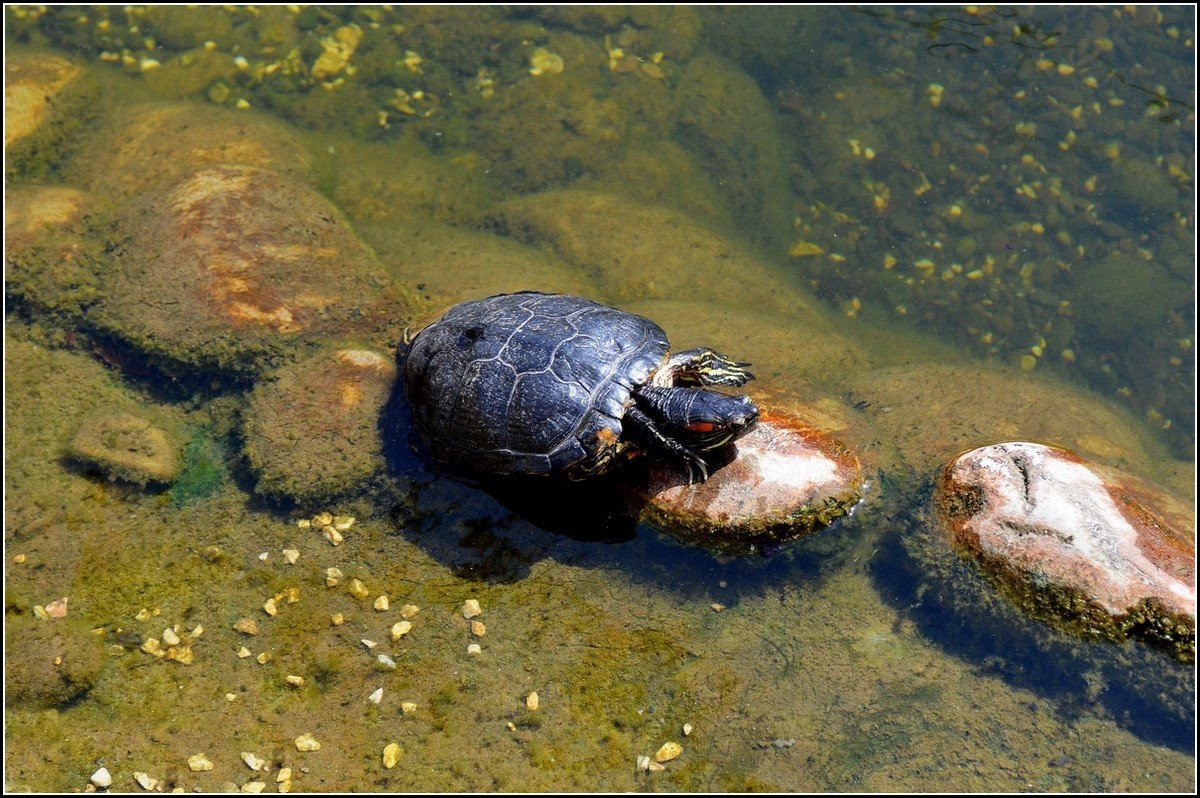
(529, 383)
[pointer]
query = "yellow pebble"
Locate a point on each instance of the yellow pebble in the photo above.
(391, 755)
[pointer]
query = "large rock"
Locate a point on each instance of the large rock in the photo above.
(233, 267)
(312, 428)
(45, 96)
(448, 265)
(50, 260)
(1096, 557)
(636, 251)
(931, 411)
(783, 480)
(143, 146)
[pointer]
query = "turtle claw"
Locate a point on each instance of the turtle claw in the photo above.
(695, 463)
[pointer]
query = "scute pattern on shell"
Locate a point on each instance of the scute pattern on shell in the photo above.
(529, 383)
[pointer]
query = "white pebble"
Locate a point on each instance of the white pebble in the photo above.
(474, 649)
(101, 778)
(471, 608)
(169, 637)
(387, 662)
(306, 742)
(376, 696)
(291, 555)
(145, 780)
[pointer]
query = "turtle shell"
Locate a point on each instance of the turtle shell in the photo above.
(529, 383)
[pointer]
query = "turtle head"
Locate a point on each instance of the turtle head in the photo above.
(701, 418)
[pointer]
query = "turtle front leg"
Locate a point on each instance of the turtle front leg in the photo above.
(647, 434)
(701, 366)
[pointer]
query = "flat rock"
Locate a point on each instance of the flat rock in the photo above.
(1087, 548)
(785, 480)
(312, 428)
(129, 447)
(233, 267)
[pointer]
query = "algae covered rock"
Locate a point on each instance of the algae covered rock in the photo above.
(781, 481)
(727, 123)
(234, 267)
(974, 404)
(312, 428)
(636, 251)
(49, 662)
(449, 265)
(129, 447)
(142, 146)
(1097, 557)
(46, 95)
(50, 262)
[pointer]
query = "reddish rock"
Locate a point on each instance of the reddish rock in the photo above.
(785, 481)
(233, 266)
(1090, 549)
(312, 428)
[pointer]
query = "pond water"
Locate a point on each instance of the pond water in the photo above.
(929, 228)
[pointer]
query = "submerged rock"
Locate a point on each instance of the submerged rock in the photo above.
(148, 145)
(312, 428)
(233, 267)
(45, 97)
(784, 480)
(126, 446)
(636, 251)
(50, 262)
(1096, 557)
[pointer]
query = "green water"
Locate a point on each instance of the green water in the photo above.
(931, 190)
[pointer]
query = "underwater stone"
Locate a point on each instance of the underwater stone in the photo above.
(312, 428)
(126, 446)
(637, 251)
(235, 267)
(45, 97)
(49, 259)
(155, 144)
(48, 664)
(1102, 556)
(786, 481)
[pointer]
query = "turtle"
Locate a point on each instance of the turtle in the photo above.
(538, 384)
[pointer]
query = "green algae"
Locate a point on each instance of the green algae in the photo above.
(203, 469)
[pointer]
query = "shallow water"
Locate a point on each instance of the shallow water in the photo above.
(823, 669)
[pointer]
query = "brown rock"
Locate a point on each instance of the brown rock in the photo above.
(312, 428)
(152, 144)
(1087, 548)
(128, 447)
(233, 266)
(785, 480)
